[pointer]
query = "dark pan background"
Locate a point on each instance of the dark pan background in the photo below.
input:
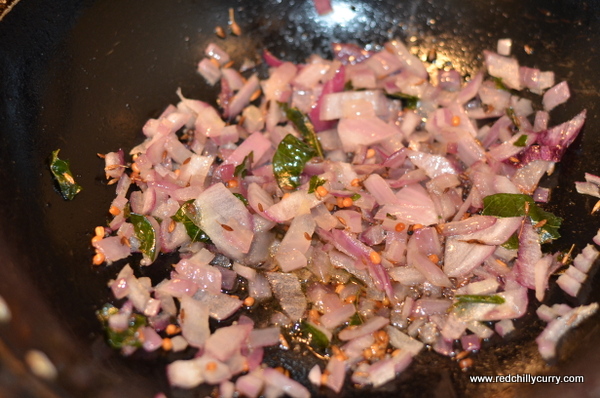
(84, 76)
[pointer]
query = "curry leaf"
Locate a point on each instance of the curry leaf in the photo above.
(510, 112)
(408, 101)
(518, 205)
(479, 298)
(521, 141)
(314, 337)
(241, 170)
(289, 161)
(190, 218)
(241, 197)
(62, 174)
(314, 183)
(304, 126)
(129, 337)
(146, 234)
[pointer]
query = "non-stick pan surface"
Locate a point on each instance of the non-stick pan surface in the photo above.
(83, 76)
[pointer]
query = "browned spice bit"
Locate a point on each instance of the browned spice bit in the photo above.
(235, 28)
(341, 220)
(596, 207)
(135, 168)
(431, 55)
(220, 32)
(540, 224)
(351, 299)
(99, 231)
(172, 226)
(528, 49)
(355, 182)
(434, 258)
(382, 337)
(187, 160)
(260, 207)
(228, 64)
(338, 353)
(182, 314)
(211, 366)
(98, 258)
(167, 344)
(113, 181)
(465, 364)
(255, 95)
(501, 263)
(307, 236)
(375, 257)
(226, 227)
(233, 183)
(101, 155)
(321, 191)
(281, 369)
(370, 153)
(567, 256)
(462, 355)
(313, 316)
(513, 159)
(249, 301)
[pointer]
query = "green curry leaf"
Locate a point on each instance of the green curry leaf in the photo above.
(304, 126)
(289, 160)
(146, 234)
(62, 174)
(190, 218)
(514, 205)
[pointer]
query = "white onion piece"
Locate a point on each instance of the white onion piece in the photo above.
(370, 326)
(548, 340)
(193, 318)
(295, 244)
(586, 259)
(226, 341)
(556, 95)
(460, 257)
(364, 131)
(220, 208)
(249, 385)
(290, 387)
(505, 68)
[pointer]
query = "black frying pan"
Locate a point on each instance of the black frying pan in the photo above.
(84, 76)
